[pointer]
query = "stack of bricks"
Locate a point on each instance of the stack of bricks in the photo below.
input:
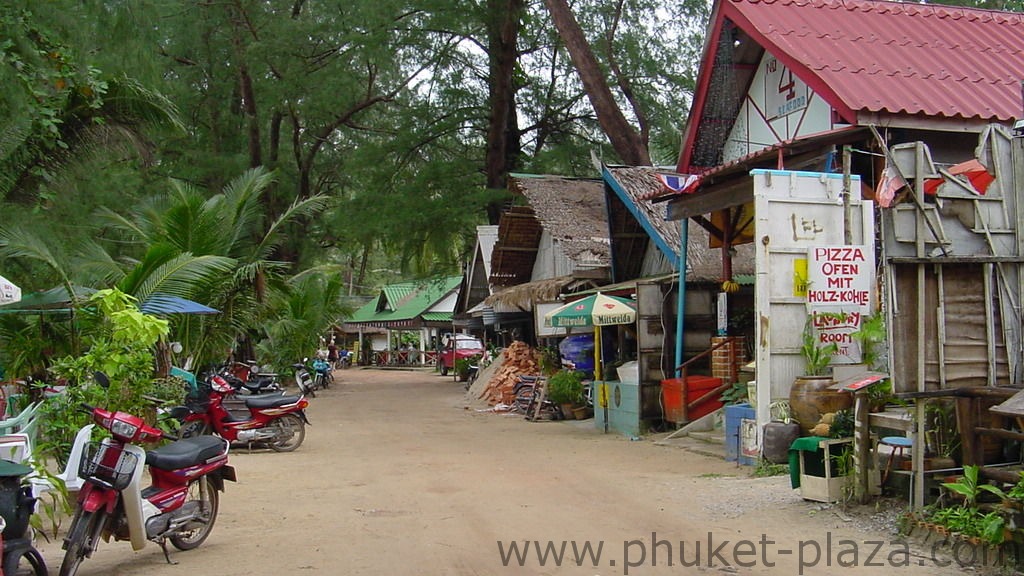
(727, 360)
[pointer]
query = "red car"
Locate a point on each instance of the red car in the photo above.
(458, 346)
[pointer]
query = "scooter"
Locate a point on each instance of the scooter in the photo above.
(304, 378)
(247, 381)
(322, 374)
(19, 556)
(277, 420)
(179, 506)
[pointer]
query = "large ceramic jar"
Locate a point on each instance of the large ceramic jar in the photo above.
(810, 397)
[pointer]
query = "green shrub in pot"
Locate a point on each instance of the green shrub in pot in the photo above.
(565, 387)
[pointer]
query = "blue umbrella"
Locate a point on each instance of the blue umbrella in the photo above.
(158, 304)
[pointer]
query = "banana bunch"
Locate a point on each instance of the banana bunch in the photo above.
(730, 287)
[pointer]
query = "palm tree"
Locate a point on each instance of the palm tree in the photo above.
(217, 250)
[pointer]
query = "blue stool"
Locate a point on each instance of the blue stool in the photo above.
(898, 443)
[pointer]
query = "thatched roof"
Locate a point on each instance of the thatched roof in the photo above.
(703, 262)
(573, 212)
(525, 296)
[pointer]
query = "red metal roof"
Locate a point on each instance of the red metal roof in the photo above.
(894, 57)
(882, 58)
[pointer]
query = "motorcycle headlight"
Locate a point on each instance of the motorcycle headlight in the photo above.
(123, 429)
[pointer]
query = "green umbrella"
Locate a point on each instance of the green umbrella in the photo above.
(595, 310)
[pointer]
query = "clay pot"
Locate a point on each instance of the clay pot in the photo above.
(777, 439)
(810, 397)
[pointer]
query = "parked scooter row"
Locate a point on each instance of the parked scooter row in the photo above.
(276, 420)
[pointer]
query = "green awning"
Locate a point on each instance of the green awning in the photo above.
(53, 301)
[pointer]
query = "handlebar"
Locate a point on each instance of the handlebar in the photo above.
(87, 407)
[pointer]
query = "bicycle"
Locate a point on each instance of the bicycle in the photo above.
(530, 398)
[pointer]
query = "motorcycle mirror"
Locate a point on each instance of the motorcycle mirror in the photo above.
(101, 379)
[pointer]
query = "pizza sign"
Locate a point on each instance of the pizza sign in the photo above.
(839, 296)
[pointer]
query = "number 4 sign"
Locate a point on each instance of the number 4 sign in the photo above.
(784, 93)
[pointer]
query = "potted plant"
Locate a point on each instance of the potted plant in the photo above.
(462, 368)
(811, 394)
(566, 389)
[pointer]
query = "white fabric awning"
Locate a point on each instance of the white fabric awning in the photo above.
(9, 292)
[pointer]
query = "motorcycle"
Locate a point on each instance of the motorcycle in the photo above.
(19, 556)
(277, 420)
(304, 378)
(179, 506)
(247, 381)
(323, 376)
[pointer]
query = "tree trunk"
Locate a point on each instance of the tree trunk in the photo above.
(246, 91)
(502, 131)
(624, 138)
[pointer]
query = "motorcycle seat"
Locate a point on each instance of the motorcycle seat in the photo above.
(270, 401)
(187, 452)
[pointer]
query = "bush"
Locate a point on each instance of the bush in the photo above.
(565, 387)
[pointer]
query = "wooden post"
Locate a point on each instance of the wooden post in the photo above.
(966, 421)
(861, 447)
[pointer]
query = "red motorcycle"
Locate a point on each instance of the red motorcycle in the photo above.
(179, 506)
(276, 420)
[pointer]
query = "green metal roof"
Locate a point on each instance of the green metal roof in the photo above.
(403, 303)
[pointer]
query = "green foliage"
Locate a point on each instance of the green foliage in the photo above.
(120, 344)
(842, 424)
(871, 336)
(816, 356)
(1017, 492)
(941, 429)
(966, 486)
(549, 360)
(565, 387)
(303, 308)
(461, 366)
(52, 507)
(737, 394)
(766, 468)
(880, 393)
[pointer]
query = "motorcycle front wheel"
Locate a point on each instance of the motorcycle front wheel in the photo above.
(83, 536)
(289, 432)
(196, 531)
(193, 429)
(22, 559)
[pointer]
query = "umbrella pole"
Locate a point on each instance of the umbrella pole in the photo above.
(599, 375)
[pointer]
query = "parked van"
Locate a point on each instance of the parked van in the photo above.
(457, 346)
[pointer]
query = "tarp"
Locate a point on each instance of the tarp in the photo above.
(158, 304)
(48, 301)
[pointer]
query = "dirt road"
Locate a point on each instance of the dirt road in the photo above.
(398, 476)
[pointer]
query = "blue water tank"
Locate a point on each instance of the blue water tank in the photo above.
(577, 350)
(735, 414)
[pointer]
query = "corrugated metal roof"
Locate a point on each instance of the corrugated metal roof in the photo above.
(894, 57)
(414, 301)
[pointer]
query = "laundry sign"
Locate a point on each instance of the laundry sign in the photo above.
(836, 325)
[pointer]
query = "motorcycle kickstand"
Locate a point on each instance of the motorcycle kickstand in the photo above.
(167, 556)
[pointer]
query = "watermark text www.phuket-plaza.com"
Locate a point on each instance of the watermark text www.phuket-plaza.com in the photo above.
(710, 551)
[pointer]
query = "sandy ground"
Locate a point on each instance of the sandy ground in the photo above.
(399, 475)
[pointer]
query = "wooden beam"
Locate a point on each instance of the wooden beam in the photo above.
(690, 205)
